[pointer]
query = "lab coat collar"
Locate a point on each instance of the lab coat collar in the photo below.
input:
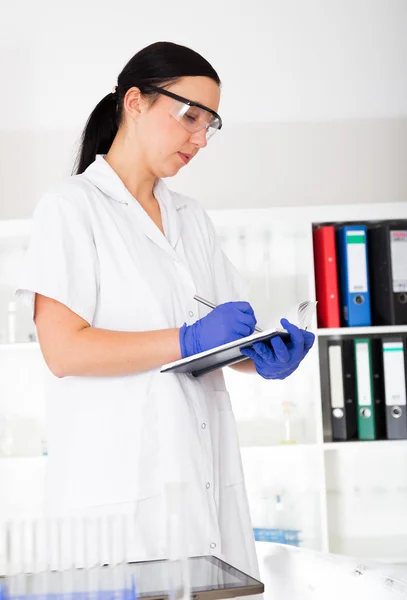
(101, 174)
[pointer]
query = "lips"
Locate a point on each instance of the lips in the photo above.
(185, 157)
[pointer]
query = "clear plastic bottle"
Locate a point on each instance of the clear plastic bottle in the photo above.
(6, 437)
(11, 322)
(288, 434)
(278, 512)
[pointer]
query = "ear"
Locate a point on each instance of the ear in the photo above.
(134, 103)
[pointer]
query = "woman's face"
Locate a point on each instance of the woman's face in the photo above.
(162, 140)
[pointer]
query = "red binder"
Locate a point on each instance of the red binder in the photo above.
(326, 277)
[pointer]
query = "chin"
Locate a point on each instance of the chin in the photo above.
(167, 171)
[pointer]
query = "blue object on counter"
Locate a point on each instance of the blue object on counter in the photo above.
(278, 536)
(90, 595)
(84, 595)
(26, 586)
(3, 590)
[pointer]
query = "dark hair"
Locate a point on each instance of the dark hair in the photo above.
(158, 64)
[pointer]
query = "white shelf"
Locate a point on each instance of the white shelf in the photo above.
(20, 346)
(363, 444)
(265, 434)
(20, 459)
(279, 447)
(14, 228)
(328, 446)
(389, 549)
(393, 560)
(374, 329)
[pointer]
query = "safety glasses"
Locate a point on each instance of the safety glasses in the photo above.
(191, 115)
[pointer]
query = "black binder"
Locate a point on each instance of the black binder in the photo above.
(378, 388)
(395, 369)
(388, 272)
(341, 359)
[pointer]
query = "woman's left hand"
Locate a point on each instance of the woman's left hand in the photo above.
(277, 360)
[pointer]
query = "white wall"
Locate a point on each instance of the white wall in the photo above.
(314, 94)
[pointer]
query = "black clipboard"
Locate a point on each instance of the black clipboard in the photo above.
(221, 356)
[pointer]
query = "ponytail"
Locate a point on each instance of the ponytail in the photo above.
(99, 132)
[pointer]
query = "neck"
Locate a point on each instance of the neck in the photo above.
(131, 169)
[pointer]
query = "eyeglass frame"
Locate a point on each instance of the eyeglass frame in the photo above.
(169, 94)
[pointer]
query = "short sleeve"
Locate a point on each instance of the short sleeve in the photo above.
(229, 284)
(61, 260)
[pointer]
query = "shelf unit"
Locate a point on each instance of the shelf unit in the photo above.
(373, 330)
(353, 445)
(273, 249)
(22, 403)
(290, 238)
(19, 346)
(14, 239)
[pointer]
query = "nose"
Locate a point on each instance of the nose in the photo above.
(199, 138)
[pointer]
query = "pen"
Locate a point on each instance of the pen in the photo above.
(210, 305)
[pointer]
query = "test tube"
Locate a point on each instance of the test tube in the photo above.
(177, 541)
(117, 539)
(3, 549)
(14, 550)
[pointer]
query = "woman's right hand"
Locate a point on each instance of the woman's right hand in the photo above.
(225, 323)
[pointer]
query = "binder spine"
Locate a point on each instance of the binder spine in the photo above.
(398, 292)
(379, 264)
(364, 390)
(388, 273)
(378, 388)
(342, 390)
(337, 397)
(354, 277)
(394, 362)
(326, 277)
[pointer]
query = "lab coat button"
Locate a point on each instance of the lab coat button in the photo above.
(191, 314)
(208, 485)
(203, 425)
(213, 545)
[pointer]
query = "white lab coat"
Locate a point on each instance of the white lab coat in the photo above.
(118, 440)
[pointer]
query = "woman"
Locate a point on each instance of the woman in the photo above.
(111, 272)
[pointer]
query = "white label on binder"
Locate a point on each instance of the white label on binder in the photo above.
(335, 376)
(394, 374)
(398, 249)
(357, 266)
(363, 374)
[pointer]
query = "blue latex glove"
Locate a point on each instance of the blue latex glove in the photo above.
(277, 360)
(225, 323)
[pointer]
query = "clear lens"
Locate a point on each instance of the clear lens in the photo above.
(194, 118)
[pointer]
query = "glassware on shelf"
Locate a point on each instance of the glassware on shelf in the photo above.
(278, 512)
(6, 437)
(242, 244)
(267, 265)
(22, 436)
(288, 429)
(11, 322)
(270, 520)
(44, 447)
